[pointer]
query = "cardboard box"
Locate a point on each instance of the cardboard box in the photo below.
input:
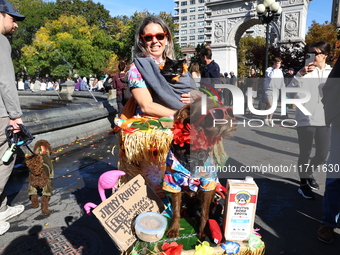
(240, 209)
(118, 212)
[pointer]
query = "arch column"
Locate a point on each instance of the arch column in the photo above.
(225, 57)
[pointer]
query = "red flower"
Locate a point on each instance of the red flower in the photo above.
(188, 134)
(181, 133)
(172, 248)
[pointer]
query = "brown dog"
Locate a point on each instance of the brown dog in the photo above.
(41, 174)
(192, 154)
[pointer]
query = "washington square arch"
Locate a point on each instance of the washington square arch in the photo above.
(231, 18)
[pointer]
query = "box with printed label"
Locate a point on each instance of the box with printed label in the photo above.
(240, 209)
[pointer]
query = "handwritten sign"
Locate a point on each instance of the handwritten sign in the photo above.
(118, 212)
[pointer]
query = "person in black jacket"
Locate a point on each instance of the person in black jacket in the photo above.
(211, 73)
(331, 201)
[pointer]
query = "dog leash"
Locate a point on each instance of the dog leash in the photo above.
(21, 138)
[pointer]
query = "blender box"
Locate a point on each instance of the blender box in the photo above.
(240, 208)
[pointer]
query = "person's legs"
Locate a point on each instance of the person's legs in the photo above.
(331, 202)
(226, 97)
(269, 98)
(119, 103)
(6, 212)
(5, 168)
(322, 141)
(305, 138)
(331, 199)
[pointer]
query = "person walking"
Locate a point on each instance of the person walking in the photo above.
(274, 80)
(312, 77)
(10, 108)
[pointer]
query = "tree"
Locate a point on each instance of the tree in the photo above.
(250, 54)
(94, 13)
(198, 58)
(37, 13)
(324, 32)
(68, 45)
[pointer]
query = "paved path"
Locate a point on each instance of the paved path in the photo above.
(288, 222)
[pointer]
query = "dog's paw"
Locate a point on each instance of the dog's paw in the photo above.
(172, 233)
(46, 211)
(201, 236)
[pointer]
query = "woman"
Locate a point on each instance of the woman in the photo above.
(194, 69)
(118, 85)
(312, 77)
(153, 94)
(251, 82)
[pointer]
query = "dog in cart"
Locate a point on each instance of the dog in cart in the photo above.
(197, 148)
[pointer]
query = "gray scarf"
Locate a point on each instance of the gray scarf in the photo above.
(163, 92)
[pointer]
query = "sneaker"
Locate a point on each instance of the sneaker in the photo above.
(11, 212)
(312, 183)
(325, 233)
(306, 192)
(266, 122)
(4, 226)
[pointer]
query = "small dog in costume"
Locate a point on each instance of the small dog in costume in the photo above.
(41, 175)
(196, 148)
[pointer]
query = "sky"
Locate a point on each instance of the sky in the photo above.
(319, 10)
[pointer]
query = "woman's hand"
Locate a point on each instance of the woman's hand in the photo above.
(191, 96)
(307, 69)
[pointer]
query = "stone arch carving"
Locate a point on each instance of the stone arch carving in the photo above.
(231, 19)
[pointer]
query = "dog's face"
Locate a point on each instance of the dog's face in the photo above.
(192, 114)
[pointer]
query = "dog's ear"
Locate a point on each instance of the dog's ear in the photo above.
(183, 113)
(35, 163)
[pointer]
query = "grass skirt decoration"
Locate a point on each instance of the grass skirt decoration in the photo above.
(144, 147)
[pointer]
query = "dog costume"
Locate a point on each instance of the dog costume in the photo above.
(41, 175)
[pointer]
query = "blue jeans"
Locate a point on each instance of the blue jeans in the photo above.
(331, 199)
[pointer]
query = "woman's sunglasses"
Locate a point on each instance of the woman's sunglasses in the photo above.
(218, 114)
(149, 37)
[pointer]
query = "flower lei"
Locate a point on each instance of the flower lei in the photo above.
(188, 134)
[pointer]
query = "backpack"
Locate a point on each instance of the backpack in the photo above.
(126, 90)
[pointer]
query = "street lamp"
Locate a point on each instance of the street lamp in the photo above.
(268, 11)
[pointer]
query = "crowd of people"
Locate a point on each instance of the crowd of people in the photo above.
(38, 84)
(154, 96)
